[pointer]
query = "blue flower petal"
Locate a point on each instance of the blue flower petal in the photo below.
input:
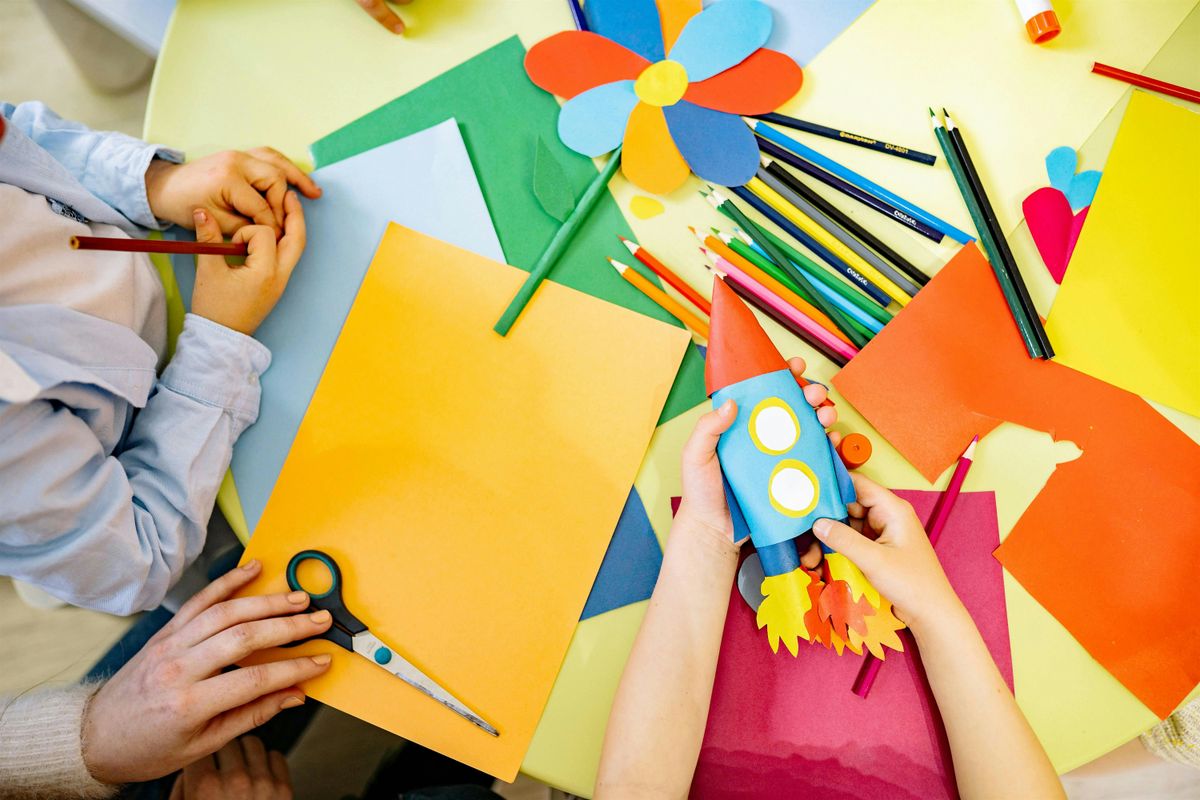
(593, 123)
(722, 35)
(632, 23)
(719, 147)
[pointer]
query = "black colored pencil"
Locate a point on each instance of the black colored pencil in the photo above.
(849, 189)
(1006, 256)
(577, 14)
(897, 150)
(843, 219)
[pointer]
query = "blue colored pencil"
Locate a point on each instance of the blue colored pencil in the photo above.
(848, 189)
(577, 13)
(839, 266)
(864, 183)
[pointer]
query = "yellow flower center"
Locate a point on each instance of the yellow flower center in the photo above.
(662, 84)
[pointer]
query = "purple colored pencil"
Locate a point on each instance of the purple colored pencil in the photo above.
(577, 13)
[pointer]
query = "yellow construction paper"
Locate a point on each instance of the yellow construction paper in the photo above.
(1125, 313)
(467, 484)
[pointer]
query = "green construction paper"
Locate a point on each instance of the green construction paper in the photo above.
(502, 116)
(550, 185)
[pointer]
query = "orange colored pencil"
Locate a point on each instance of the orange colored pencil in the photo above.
(775, 287)
(661, 270)
(670, 304)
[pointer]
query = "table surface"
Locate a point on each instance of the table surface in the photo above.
(326, 63)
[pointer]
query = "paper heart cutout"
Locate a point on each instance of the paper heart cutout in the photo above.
(1054, 228)
(1078, 189)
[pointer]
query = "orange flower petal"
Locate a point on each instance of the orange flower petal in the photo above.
(572, 62)
(762, 83)
(674, 15)
(650, 158)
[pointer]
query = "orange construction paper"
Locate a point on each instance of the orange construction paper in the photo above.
(1109, 546)
(674, 14)
(760, 84)
(572, 62)
(467, 484)
(650, 158)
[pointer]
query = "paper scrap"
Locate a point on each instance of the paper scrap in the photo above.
(1078, 188)
(470, 544)
(644, 207)
(951, 366)
(1054, 228)
(631, 563)
(786, 728)
(550, 185)
(1125, 313)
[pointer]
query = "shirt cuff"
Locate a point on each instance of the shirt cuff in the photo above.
(139, 209)
(219, 367)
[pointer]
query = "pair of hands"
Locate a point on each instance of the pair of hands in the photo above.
(174, 704)
(241, 770)
(247, 195)
(884, 539)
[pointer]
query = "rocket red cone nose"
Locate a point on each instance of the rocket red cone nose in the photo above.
(738, 347)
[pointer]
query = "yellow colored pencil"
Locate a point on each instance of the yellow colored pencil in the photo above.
(827, 240)
(670, 304)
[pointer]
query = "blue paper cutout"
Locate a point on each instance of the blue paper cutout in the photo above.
(1079, 189)
(720, 36)
(631, 563)
(632, 23)
(803, 28)
(593, 122)
(719, 147)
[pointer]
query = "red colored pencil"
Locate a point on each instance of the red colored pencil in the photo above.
(1173, 89)
(661, 270)
(121, 244)
(937, 522)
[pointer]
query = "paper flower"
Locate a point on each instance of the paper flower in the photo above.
(676, 113)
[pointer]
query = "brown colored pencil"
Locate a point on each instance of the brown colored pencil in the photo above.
(121, 244)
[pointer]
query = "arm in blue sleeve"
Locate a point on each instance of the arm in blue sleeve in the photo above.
(110, 165)
(114, 532)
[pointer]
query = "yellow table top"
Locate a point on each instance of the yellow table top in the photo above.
(286, 72)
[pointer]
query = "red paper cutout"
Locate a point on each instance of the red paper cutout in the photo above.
(571, 62)
(760, 84)
(1054, 229)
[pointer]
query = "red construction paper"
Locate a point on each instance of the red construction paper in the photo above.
(1053, 227)
(572, 62)
(760, 84)
(1110, 545)
(790, 727)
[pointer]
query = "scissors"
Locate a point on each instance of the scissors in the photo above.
(349, 632)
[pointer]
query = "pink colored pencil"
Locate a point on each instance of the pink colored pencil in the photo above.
(781, 306)
(937, 522)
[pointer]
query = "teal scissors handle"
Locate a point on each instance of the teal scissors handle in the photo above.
(345, 625)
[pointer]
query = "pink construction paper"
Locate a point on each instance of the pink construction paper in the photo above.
(1054, 228)
(784, 727)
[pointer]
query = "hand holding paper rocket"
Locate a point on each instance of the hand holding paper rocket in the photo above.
(783, 475)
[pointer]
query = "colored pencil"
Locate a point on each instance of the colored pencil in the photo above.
(788, 227)
(864, 183)
(827, 232)
(558, 244)
(1007, 287)
(783, 321)
(669, 304)
(848, 223)
(745, 268)
(935, 526)
(658, 268)
(868, 142)
(1173, 89)
(775, 255)
(577, 15)
(1045, 350)
(834, 282)
(124, 245)
(864, 321)
(734, 272)
(848, 189)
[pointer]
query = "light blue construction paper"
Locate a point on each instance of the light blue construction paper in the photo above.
(593, 122)
(1079, 189)
(717, 146)
(632, 23)
(803, 28)
(631, 563)
(722, 35)
(424, 181)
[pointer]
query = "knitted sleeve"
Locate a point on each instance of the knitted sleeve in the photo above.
(1177, 738)
(41, 752)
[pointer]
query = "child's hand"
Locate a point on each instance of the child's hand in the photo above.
(703, 491)
(241, 297)
(241, 770)
(380, 12)
(901, 563)
(238, 188)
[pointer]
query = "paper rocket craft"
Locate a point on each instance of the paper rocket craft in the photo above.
(782, 474)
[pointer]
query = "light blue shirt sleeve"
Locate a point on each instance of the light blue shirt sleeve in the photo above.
(110, 165)
(114, 532)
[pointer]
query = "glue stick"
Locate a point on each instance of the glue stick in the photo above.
(1041, 23)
